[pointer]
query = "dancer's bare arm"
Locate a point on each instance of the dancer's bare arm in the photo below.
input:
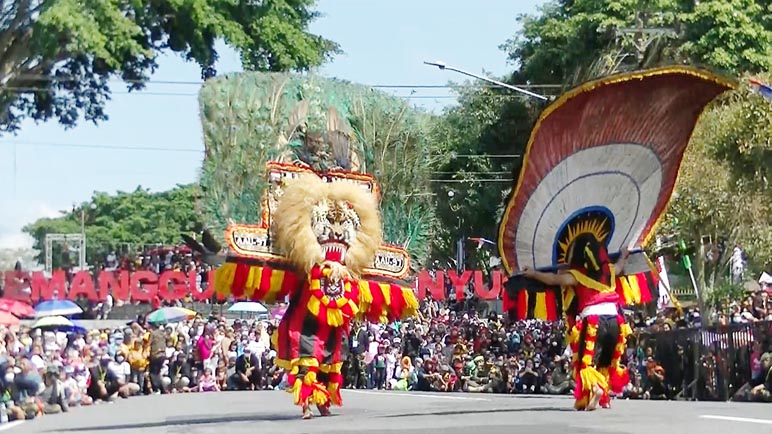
(551, 279)
(619, 266)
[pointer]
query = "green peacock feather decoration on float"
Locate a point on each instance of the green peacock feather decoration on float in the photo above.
(251, 118)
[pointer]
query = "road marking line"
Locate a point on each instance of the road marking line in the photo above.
(10, 425)
(416, 395)
(738, 419)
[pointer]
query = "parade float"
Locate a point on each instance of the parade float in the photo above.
(251, 119)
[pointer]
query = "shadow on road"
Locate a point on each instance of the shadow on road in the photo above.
(484, 411)
(205, 420)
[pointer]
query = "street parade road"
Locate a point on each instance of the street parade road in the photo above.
(396, 412)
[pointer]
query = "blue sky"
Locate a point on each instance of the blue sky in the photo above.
(45, 168)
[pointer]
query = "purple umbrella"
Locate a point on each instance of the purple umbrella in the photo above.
(278, 313)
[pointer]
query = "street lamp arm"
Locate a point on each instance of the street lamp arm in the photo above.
(443, 66)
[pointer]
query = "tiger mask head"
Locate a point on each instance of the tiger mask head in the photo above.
(335, 222)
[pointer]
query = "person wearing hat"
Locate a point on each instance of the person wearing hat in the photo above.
(53, 396)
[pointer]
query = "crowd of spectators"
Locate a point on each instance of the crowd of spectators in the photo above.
(441, 350)
(50, 372)
(448, 347)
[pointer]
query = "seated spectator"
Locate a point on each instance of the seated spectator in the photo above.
(28, 383)
(247, 375)
(105, 385)
(53, 396)
(122, 371)
(529, 378)
(208, 382)
(560, 381)
(657, 388)
(180, 373)
(75, 385)
(634, 389)
(762, 384)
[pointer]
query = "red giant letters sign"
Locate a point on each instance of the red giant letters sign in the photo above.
(144, 286)
(122, 285)
(436, 285)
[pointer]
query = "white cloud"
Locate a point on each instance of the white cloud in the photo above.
(16, 240)
(23, 213)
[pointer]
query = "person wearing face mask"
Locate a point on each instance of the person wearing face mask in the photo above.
(122, 370)
(8, 393)
(53, 396)
(180, 373)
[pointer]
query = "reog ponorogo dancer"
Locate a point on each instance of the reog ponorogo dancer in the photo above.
(325, 255)
(598, 173)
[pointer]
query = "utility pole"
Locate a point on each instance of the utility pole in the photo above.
(643, 35)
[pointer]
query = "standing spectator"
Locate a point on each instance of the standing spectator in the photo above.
(138, 361)
(204, 348)
(157, 358)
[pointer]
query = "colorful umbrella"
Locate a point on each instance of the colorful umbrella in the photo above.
(170, 314)
(57, 307)
(7, 319)
(16, 307)
(248, 307)
(53, 322)
(278, 313)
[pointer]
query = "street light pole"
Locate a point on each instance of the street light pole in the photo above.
(82, 253)
(443, 66)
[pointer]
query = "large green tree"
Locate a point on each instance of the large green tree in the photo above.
(122, 222)
(723, 192)
(56, 56)
(481, 141)
(569, 41)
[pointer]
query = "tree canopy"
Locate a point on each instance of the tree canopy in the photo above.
(722, 192)
(570, 41)
(482, 140)
(56, 56)
(112, 222)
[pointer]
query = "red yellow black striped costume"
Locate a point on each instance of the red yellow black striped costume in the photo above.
(598, 339)
(311, 341)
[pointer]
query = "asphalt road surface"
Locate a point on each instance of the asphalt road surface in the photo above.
(397, 413)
